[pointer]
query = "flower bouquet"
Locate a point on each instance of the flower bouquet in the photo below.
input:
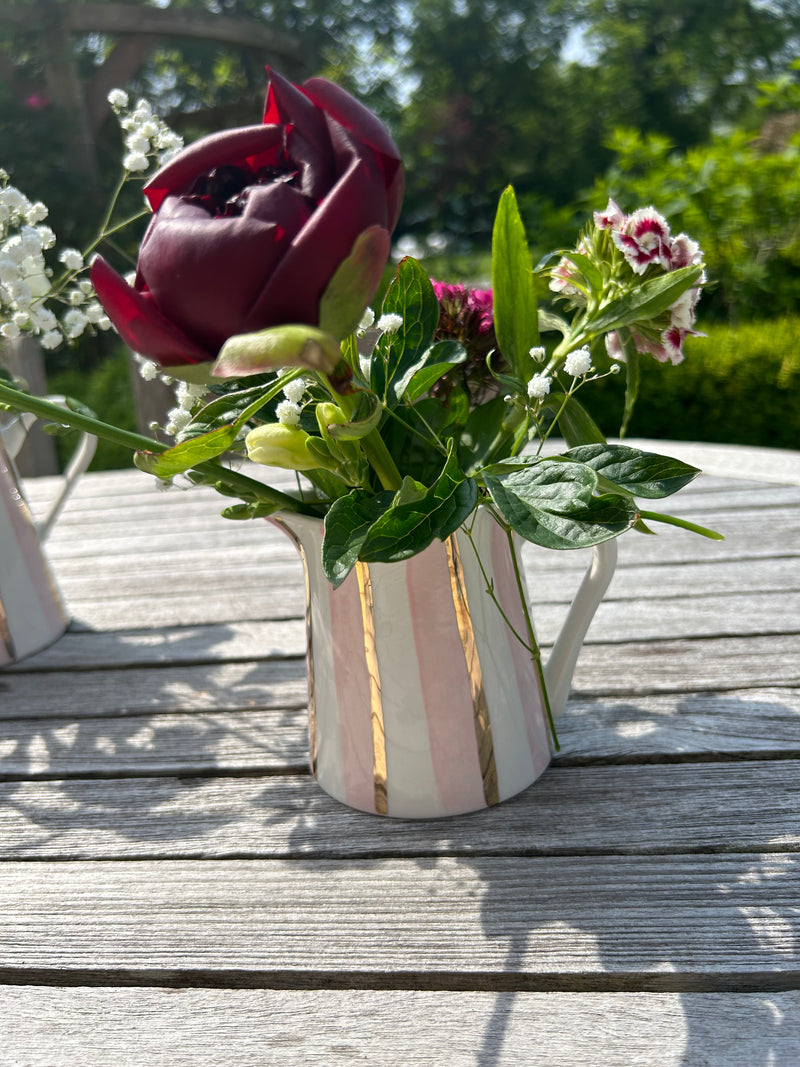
(417, 431)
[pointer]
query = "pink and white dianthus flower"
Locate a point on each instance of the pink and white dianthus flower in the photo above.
(644, 239)
(613, 218)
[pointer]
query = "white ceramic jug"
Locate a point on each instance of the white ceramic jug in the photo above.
(32, 615)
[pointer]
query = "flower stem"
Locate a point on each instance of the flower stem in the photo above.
(17, 400)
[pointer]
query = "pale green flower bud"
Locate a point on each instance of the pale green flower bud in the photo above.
(278, 445)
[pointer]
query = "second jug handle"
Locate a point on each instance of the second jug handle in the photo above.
(564, 655)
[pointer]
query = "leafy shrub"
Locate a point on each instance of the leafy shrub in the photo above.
(106, 389)
(738, 385)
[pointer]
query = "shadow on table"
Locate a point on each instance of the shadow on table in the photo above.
(129, 760)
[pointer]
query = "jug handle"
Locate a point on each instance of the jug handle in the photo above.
(80, 460)
(564, 655)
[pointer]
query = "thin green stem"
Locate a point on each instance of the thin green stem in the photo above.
(534, 646)
(17, 400)
(531, 645)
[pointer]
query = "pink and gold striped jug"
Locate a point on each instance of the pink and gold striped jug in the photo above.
(422, 700)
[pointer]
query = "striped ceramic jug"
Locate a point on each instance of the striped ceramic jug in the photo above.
(422, 700)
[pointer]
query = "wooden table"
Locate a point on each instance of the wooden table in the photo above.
(176, 890)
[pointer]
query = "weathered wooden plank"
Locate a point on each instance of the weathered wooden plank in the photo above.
(274, 740)
(645, 810)
(234, 574)
(98, 1027)
(249, 686)
(693, 923)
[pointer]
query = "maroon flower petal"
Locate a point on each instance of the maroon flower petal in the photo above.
(205, 273)
(344, 109)
(252, 146)
(139, 322)
(293, 292)
(289, 105)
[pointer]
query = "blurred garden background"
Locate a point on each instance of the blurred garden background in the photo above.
(692, 107)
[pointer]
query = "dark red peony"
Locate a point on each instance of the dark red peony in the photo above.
(251, 224)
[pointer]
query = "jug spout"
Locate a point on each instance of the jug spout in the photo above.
(564, 655)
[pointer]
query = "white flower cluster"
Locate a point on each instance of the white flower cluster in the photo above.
(290, 409)
(148, 140)
(186, 394)
(26, 280)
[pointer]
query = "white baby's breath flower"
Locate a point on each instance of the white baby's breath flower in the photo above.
(538, 353)
(51, 339)
(134, 162)
(539, 386)
(389, 323)
(94, 312)
(43, 319)
(578, 363)
(71, 258)
(47, 238)
(137, 144)
(75, 322)
(118, 99)
(288, 413)
(148, 370)
(10, 331)
(294, 390)
(367, 319)
(37, 212)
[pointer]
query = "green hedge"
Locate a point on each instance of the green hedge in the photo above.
(106, 389)
(738, 385)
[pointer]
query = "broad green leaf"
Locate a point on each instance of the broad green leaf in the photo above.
(575, 424)
(354, 284)
(410, 296)
(645, 302)
(490, 433)
(347, 524)
(410, 526)
(552, 504)
(644, 474)
(187, 454)
(436, 361)
(516, 320)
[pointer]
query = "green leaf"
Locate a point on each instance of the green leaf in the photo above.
(644, 474)
(354, 284)
(587, 269)
(645, 302)
(347, 524)
(516, 320)
(250, 511)
(409, 526)
(552, 504)
(632, 377)
(575, 424)
(364, 420)
(489, 434)
(187, 454)
(410, 296)
(435, 362)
